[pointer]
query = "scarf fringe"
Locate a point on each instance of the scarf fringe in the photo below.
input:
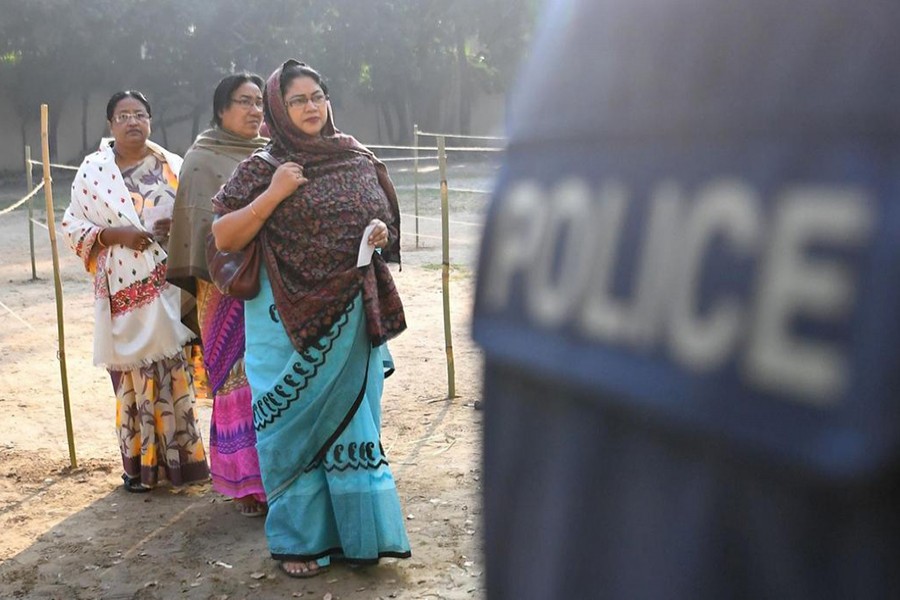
(146, 362)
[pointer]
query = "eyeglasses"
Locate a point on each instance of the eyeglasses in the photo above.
(140, 117)
(317, 98)
(246, 103)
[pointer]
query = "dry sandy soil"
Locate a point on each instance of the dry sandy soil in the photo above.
(73, 533)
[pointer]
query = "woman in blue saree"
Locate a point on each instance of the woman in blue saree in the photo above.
(316, 356)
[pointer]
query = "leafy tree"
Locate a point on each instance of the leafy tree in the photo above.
(54, 53)
(415, 60)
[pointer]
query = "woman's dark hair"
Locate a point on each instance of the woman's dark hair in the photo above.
(300, 70)
(118, 96)
(226, 87)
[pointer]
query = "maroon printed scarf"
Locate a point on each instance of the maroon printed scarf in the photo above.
(310, 242)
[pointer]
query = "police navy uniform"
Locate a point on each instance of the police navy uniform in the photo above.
(688, 300)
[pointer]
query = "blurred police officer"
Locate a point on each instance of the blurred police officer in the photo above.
(689, 303)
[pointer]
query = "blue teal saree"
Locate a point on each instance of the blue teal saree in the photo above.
(317, 415)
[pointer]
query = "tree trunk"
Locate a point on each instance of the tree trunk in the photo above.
(404, 121)
(399, 101)
(24, 139)
(52, 127)
(378, 127)
(465, 91)
(433, 100)
(388, 121)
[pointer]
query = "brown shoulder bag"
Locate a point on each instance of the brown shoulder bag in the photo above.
(236, 274)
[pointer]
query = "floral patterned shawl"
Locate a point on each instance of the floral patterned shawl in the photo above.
(310, 242)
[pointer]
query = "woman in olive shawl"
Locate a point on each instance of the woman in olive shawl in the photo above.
(316, 355)
(237, 116)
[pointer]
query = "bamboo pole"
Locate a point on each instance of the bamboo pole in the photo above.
(57, 282)
(30, 181)
(445, 262)
(416, 177)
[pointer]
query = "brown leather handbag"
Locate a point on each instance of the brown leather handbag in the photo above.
(236, 274)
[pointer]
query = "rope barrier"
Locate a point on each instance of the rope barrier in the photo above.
(456, 149)
(437, 237)
(427, 148)
(28, 197)
(448, 148)
(469, 190)
(47, 338)
(400, 158)
(386, 147)
(472, 149)
(450, 189)
(66, 167)
(17, 317)
(439, 220)
(463, 137)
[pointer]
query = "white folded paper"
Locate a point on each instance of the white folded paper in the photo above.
(365, 250)
(151, 214)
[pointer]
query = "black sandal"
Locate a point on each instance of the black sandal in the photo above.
(134, 485)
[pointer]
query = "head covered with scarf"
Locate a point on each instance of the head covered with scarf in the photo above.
(310, 242)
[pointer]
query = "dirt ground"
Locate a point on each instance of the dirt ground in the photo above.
(76, 534)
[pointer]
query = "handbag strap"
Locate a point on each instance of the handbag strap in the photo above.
(267, 156)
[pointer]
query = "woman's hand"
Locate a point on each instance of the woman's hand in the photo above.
(235, 230)
(136, 239)
(286, 179)
(130, 237)
(379, 235)
(162, 227)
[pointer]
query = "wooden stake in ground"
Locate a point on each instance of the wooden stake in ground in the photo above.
(445, 261)
(57, 282)
(30, 183)
(416, 177)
